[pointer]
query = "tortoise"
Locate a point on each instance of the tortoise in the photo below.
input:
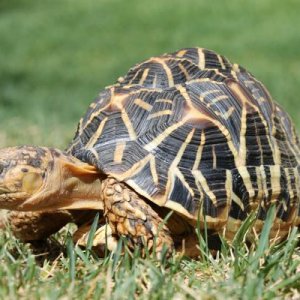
(183, 141)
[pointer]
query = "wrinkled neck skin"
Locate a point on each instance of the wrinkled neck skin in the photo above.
(68, 184)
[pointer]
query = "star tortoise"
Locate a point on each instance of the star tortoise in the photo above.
(187, 132)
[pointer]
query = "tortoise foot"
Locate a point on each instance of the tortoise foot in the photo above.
(103, 239)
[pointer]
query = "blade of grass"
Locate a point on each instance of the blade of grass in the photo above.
(92, 233)
(72, 258)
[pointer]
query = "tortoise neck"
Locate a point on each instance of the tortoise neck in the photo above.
(69, 184)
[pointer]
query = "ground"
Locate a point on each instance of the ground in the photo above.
(56, 55)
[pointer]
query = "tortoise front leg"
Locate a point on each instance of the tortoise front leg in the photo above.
(37, 226)
(130, 216)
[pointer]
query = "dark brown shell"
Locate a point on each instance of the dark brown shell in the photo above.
(195, 133)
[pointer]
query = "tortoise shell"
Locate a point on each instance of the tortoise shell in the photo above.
(197, 134)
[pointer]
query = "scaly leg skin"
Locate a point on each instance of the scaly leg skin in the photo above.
(35, 226)
(38, 226)
(130, 216)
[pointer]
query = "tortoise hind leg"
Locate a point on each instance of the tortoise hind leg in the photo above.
(103, 238)
(130, 216)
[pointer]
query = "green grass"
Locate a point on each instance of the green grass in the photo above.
(262, 271)
(56, 55)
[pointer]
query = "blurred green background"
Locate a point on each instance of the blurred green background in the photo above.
(56, 55)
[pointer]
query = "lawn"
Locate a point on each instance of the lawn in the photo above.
(56, 55)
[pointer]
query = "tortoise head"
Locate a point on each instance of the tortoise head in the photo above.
(40, 178)
(23, 171)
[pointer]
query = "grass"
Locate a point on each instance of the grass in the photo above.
(56, 55)
(238, 272)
